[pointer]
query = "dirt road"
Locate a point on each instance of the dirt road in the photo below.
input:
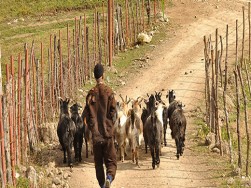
(177, 63)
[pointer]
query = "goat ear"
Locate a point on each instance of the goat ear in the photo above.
(160, 94)
(147, 95)
(68, 100)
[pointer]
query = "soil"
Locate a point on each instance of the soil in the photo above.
(176, 63)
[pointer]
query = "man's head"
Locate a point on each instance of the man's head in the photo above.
(98, 70)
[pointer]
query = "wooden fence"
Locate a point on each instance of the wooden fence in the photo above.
(35, 79)
(227, 69)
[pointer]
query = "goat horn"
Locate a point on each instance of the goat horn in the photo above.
(141, 99)
(127, 102)
(121, 97)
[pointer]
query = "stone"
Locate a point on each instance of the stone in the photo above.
(66, 175)
(216, 150)
(210, 139)
(66, 185)
(56, 181)
(51, 164)
(31, 174)
(230, 181)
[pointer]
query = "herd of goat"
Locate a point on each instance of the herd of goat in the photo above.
(137, 120)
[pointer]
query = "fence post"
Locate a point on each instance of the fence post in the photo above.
(12, 119)
(7, 141)
(110, 30)
(249, 35)
(154, 10)
(236, 46)
(19, 153)
(238, 119)
(243, 36)
(246, 118)
(8, 136)
(224, 100)
(42, 79)
(2, 140)
(207, 84)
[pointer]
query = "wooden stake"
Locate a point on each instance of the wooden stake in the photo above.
(238, 119)
(246, 118)
(110, 31)
(225, 102)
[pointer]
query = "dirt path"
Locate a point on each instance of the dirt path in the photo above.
(176, 63)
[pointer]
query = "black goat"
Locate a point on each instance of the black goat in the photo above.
(153, 129)
(165, 122)
(66, 130)
(87, 134)
(171, 96)
(78, 137)
(158, 96)
(173, 104)
(145, 114)
(178, 129)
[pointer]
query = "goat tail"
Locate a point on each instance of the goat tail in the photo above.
(179, 126)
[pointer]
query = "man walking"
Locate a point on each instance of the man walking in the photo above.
(100, 115)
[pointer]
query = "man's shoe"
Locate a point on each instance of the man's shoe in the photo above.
(108, 181)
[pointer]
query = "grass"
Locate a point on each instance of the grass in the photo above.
(11, 9)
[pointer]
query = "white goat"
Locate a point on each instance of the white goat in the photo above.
(120, 132)
(159, 114)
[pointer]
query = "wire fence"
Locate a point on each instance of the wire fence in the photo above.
(227, 69)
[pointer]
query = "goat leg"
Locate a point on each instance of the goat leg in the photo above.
(86, 148)
(157, 151)
(133, 156)
(80, 148)
(122, 153)
(165, 143)
(64, 161)
(69, 156)
(153, 157)
(177, 147)
(75, 145)
(137, 156)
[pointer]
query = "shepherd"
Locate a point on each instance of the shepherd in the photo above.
(100, 116)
